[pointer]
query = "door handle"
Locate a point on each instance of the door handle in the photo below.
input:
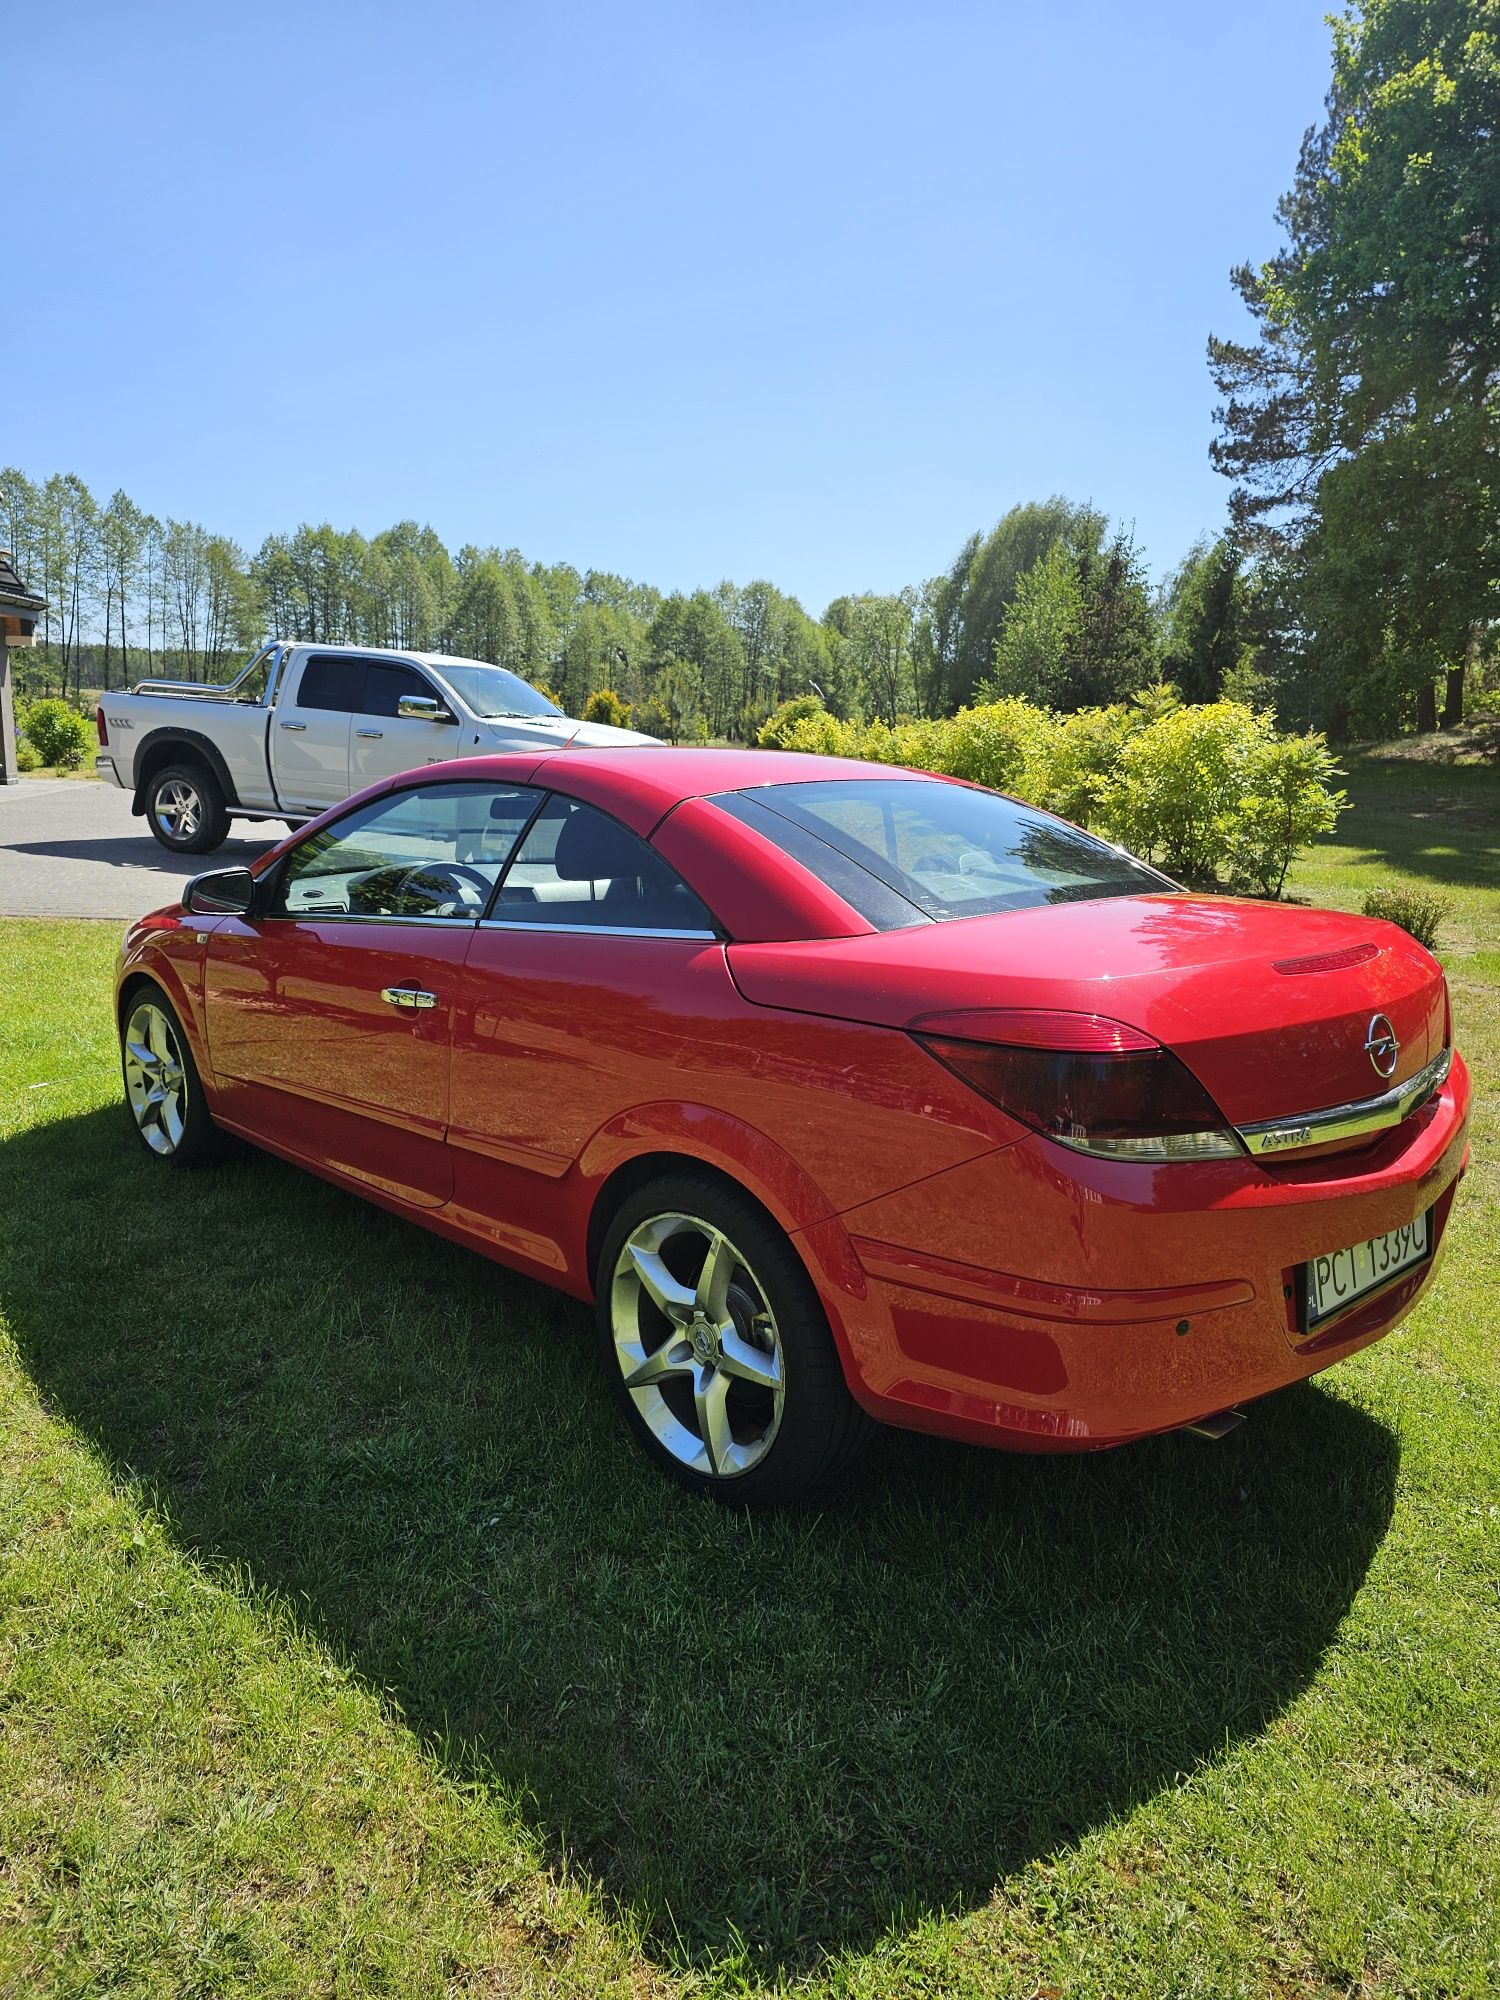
(294, 725)
(369, 732)
(408, 996)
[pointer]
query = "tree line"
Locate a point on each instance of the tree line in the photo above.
(1359, 571)
(1053, 602)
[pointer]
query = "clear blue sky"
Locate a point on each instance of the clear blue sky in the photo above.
(804, 291)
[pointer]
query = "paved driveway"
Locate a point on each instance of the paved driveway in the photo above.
(70, 848)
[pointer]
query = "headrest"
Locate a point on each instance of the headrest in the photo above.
(592, 848)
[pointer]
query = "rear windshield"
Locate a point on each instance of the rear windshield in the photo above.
(900, 850)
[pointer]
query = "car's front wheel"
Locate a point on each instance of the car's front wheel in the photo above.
(162, 1087)
(186, 810)
(718, 1348)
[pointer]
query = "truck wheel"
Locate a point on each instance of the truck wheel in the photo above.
(185, 809)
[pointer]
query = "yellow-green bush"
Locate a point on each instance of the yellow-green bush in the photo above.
(604, 705)
(1215, 789)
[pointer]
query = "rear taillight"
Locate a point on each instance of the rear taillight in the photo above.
(1090, 1083)
(99, 725)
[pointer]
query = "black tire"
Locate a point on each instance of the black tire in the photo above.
(186, 809)
(178, 1132)
(795, 1439)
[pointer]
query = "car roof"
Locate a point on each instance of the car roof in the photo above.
(641, 783)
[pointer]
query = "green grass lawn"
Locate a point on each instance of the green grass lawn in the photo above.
(346, 1647)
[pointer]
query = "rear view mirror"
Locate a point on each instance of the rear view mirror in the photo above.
(422, 708)
(226, 892)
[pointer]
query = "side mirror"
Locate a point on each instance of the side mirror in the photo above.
(423, 708)
(226, 892)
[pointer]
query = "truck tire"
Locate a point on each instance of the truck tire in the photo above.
(185, 809)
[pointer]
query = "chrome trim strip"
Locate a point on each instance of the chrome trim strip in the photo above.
(1284, 1138)
(314, 916)
(596, 930)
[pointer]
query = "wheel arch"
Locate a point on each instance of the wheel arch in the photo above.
(678, 1138)
(639, 1171)
(173, 745)
(164, 970)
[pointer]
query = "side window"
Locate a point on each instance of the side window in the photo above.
(578, 868)
(331, 680)
(385, 684)
(436, 851)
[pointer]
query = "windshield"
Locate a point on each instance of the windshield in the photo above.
(494, 690)
(936, 850)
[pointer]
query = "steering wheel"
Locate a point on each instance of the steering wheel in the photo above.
(471, 890)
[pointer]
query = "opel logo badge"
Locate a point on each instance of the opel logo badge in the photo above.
(1381, 1046)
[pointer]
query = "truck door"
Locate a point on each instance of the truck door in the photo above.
(384, 741)
(310, 730)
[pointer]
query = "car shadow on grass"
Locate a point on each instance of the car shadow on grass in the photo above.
(779, 1735)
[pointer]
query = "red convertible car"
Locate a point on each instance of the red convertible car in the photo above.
(844, 1092)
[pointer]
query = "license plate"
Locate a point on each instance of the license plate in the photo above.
(1344, 1276)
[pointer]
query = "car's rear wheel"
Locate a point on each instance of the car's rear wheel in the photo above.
(718, 1348)
(162, 1086)
(186, 810)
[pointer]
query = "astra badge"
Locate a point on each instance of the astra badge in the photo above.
(1381, 1046)
(1283, 1136)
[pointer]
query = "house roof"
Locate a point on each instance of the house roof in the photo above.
(12, 590)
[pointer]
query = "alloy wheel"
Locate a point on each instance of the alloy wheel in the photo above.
(178, 809)
(155, 1078)
(697, 1344)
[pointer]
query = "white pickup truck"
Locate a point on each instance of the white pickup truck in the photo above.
(303, 726)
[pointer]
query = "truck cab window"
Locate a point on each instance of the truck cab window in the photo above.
(385, 685)
(332, 681)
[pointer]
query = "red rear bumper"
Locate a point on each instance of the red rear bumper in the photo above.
(1044, 1300)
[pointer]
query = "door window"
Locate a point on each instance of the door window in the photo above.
(434, 852)
(385, 684)
(577, 868)
(331, 680)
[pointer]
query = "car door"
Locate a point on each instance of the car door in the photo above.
(329, 1013)
(383, 741)
(310, 733)
(597, 983)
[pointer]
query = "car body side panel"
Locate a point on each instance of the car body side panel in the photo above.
(305, 1049)
(166, 947)
(568, 1046)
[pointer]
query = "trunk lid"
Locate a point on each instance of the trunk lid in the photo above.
(1270, 1006)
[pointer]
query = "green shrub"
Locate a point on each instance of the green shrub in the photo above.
(775, 730)
(59, 734)
(653, 716)
(28, 757)
(1289, 798)
(1084, 754)
(823, 735)
(1177, 785)
(1007, 744)
(604, 705)
(1417, 911)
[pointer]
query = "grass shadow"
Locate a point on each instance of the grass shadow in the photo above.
(792, 1731)
(1438, 822)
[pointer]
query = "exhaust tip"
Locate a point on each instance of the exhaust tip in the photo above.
(1220, 1424)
